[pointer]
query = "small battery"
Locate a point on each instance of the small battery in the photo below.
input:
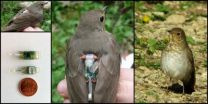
(28, 55)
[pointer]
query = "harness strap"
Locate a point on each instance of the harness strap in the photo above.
(90, 75)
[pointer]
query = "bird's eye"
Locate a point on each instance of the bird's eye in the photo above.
(101, 19)
(178, 33)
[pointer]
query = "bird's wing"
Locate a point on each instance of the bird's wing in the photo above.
(75, 79)
(108, 74)
(73, 61)
(19, 13)
(22, 20)
(25, 17)
(191, 60)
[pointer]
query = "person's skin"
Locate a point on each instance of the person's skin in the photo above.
(125, 92)
(32, 29)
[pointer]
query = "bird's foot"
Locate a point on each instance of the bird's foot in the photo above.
(183, 90)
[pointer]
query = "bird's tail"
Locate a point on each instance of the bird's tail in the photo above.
(189, 86)
(8, 29)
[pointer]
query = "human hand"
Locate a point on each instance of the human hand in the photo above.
(32, 29)
(125, 88)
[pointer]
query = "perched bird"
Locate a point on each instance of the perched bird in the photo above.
(29, 16)
(177, 60)
(91, 38)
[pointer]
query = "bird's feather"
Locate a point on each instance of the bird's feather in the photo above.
(104, 46)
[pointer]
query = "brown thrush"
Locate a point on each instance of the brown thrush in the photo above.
(91, 38)
(29, 16)
(177, 60)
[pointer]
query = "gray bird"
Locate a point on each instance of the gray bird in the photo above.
(29, 16)
(91, 38)
(177, 60)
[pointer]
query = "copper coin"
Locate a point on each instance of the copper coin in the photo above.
(28, 86)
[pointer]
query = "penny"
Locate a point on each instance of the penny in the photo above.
(28, 86)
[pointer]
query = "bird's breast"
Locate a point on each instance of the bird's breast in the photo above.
(175, 64)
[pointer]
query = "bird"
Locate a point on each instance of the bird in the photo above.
(177, 60)
(28, 16)
(92, 38)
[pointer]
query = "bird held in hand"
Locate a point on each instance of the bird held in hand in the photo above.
(177, 60)
(91, 38)
(29, 16)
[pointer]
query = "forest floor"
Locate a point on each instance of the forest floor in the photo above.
(152, 20)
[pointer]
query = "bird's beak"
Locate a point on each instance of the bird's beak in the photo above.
(169, 31)
(105, 8)
(45, 2)
(169, 35)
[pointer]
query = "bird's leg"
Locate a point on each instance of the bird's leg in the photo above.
(167, 81)
(171, 81)
(159, 75)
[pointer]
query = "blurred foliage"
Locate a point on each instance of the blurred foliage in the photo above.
(190, 40)
(65, 18)
(162, 8)
(150, 46)
(10, 8)
(160, 11)
(185, 5)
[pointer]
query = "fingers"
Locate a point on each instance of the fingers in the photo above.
(33, 29)
(126, 74)
(62, 89)
(67, 101)
(125, 92)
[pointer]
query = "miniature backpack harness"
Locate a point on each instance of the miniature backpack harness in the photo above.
(90, 72)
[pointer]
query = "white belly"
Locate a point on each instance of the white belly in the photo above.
(176, 65)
